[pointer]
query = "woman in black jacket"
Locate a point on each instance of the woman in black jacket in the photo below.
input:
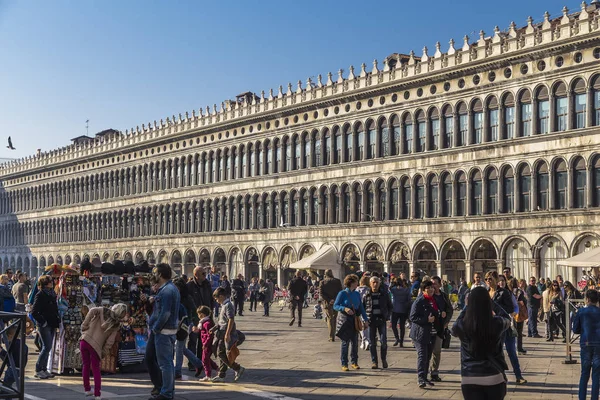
(378, 306)
(481, 334)
(45, 313)
(423, 314)
(503, 306)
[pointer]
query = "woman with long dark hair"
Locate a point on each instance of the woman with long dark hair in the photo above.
(557, 311)
(481, 335)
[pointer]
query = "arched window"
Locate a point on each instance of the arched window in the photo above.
(596, 182)
(307, 153)
(494, 119)
(394, 199)
(543, 110)
(524, 187)
(316, 136)
(432, 194)
(382, 204)
(259, 160)
(287, 153)
(297, 151)
(206, 168)
(371, 138)
(357, 203)
(434, 117)
(269, 147)
(543, 184)
(337, 151)
(214, 167)
(446, 187)
(476, 194)
(561, 107)
(369, 212)
(385, 138)
(560, 185)
(420, 197)
(580, 104)
(509, 116)
(461, 194)
(448, 138)
(463, 124)
(234, 164)
(596, 100)
(243, 172)
(360, 137)
(227, 165)
(261, 211)
(407, 134)
(406, 199)
(277, 161)
(335, 197)
(220, 161)
(349, 150)
(285, 210)
(305, 216)
(478, 125)
(347, 204)
(314, 219)
(492, 192)
(397, 133)
(252, 152)
(508, 184)
(327, 148)
(421, 131)
(324, 206)
(579, 183)
(526, 113)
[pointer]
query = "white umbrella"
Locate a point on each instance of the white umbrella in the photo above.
(588, 259)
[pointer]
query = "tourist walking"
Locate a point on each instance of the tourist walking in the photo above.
(533, 308)
(163, 323)
(587, 324)
(328, 290)
(519, 319)
(401, 300)
(481, 335)
(205, 329)
(45, 314)
(264, 295)
(200, 290)
(502, 303)
(98, 333)
(350, 309)
(253, 288)
(378, 306)
(423, 315)
(441, 324)
(186, 308)
(297, 289)
(238, 291)
(463, 292)
(556, 311)
(226, 336)
(362, 289)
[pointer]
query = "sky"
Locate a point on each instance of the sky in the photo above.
(120, 64)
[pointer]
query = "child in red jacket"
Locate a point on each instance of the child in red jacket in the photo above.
(206, 336)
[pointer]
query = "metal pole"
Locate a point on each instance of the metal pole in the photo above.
(569, 353)
(22, 356)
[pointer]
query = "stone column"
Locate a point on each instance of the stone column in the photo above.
(551, 194)
(589, 186)
(386, 266)
(570, 187)
(260, 271)
(533, 191)
(362, 265)
(454, 198)
(279, 280)
(468, 271)
(500, 266)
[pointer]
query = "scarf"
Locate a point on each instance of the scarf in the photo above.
(49, 292)
(431, 301)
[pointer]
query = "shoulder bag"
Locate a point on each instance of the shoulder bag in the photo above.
(358, 324)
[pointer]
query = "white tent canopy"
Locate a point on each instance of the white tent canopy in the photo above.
(588, 259)
(325, 258)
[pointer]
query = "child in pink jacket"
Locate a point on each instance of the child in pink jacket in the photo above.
(204, 326)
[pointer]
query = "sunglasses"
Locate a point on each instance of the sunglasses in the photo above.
(488, 279)
(555, 285)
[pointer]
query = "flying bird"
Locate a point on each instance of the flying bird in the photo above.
(10, 145)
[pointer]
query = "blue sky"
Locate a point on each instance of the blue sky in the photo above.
(124, 63)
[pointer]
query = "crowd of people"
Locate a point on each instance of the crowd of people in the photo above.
(195, 318)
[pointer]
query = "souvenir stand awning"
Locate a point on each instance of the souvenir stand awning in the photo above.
(588, 259)
(326, 258)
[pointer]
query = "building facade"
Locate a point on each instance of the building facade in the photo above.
(485, 156)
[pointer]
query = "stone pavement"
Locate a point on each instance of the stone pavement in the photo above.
(287, 363)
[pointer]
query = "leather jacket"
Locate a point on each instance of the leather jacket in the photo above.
(472, 364)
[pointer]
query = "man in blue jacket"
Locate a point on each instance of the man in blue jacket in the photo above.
(163, 324)
(587, 324)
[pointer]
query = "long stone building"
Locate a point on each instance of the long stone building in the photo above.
(484, 156)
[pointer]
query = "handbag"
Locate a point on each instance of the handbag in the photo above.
(182, 330)
(522, 315)
(446, 339)
(358, 324)
(233, 354)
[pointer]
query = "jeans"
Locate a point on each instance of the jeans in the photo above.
(378, 327)
(353, 343)
(46, 334)
(179, 356)
(9, 378)
(532, 314)
(399, 319)
(478, 392)
(253, 301)
(424, 351)
(194, 346)
(192, 358)
(222, 353)
(238, 306)
(296, 304)
(331, 315)
(590, 361)
(266, 305)
(159, 358)
(555, 323)
(90, 358)
(511, 350)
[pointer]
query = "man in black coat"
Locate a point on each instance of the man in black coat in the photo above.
(201, 292)
(238, 293)
(328, 290)
(423, 317)
(297, 289)
(446, 310)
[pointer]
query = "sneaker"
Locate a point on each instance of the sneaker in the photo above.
(355, 366)
(521, 381)
(429, 382)
(238, 374)
(89, 393)
(292, 321)
(422, 384)
(40, 375)
(374, 366)
(522, 352)
(217, 379)
(436, 378)
(97, 398)
(205, 379)
(345, 368)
